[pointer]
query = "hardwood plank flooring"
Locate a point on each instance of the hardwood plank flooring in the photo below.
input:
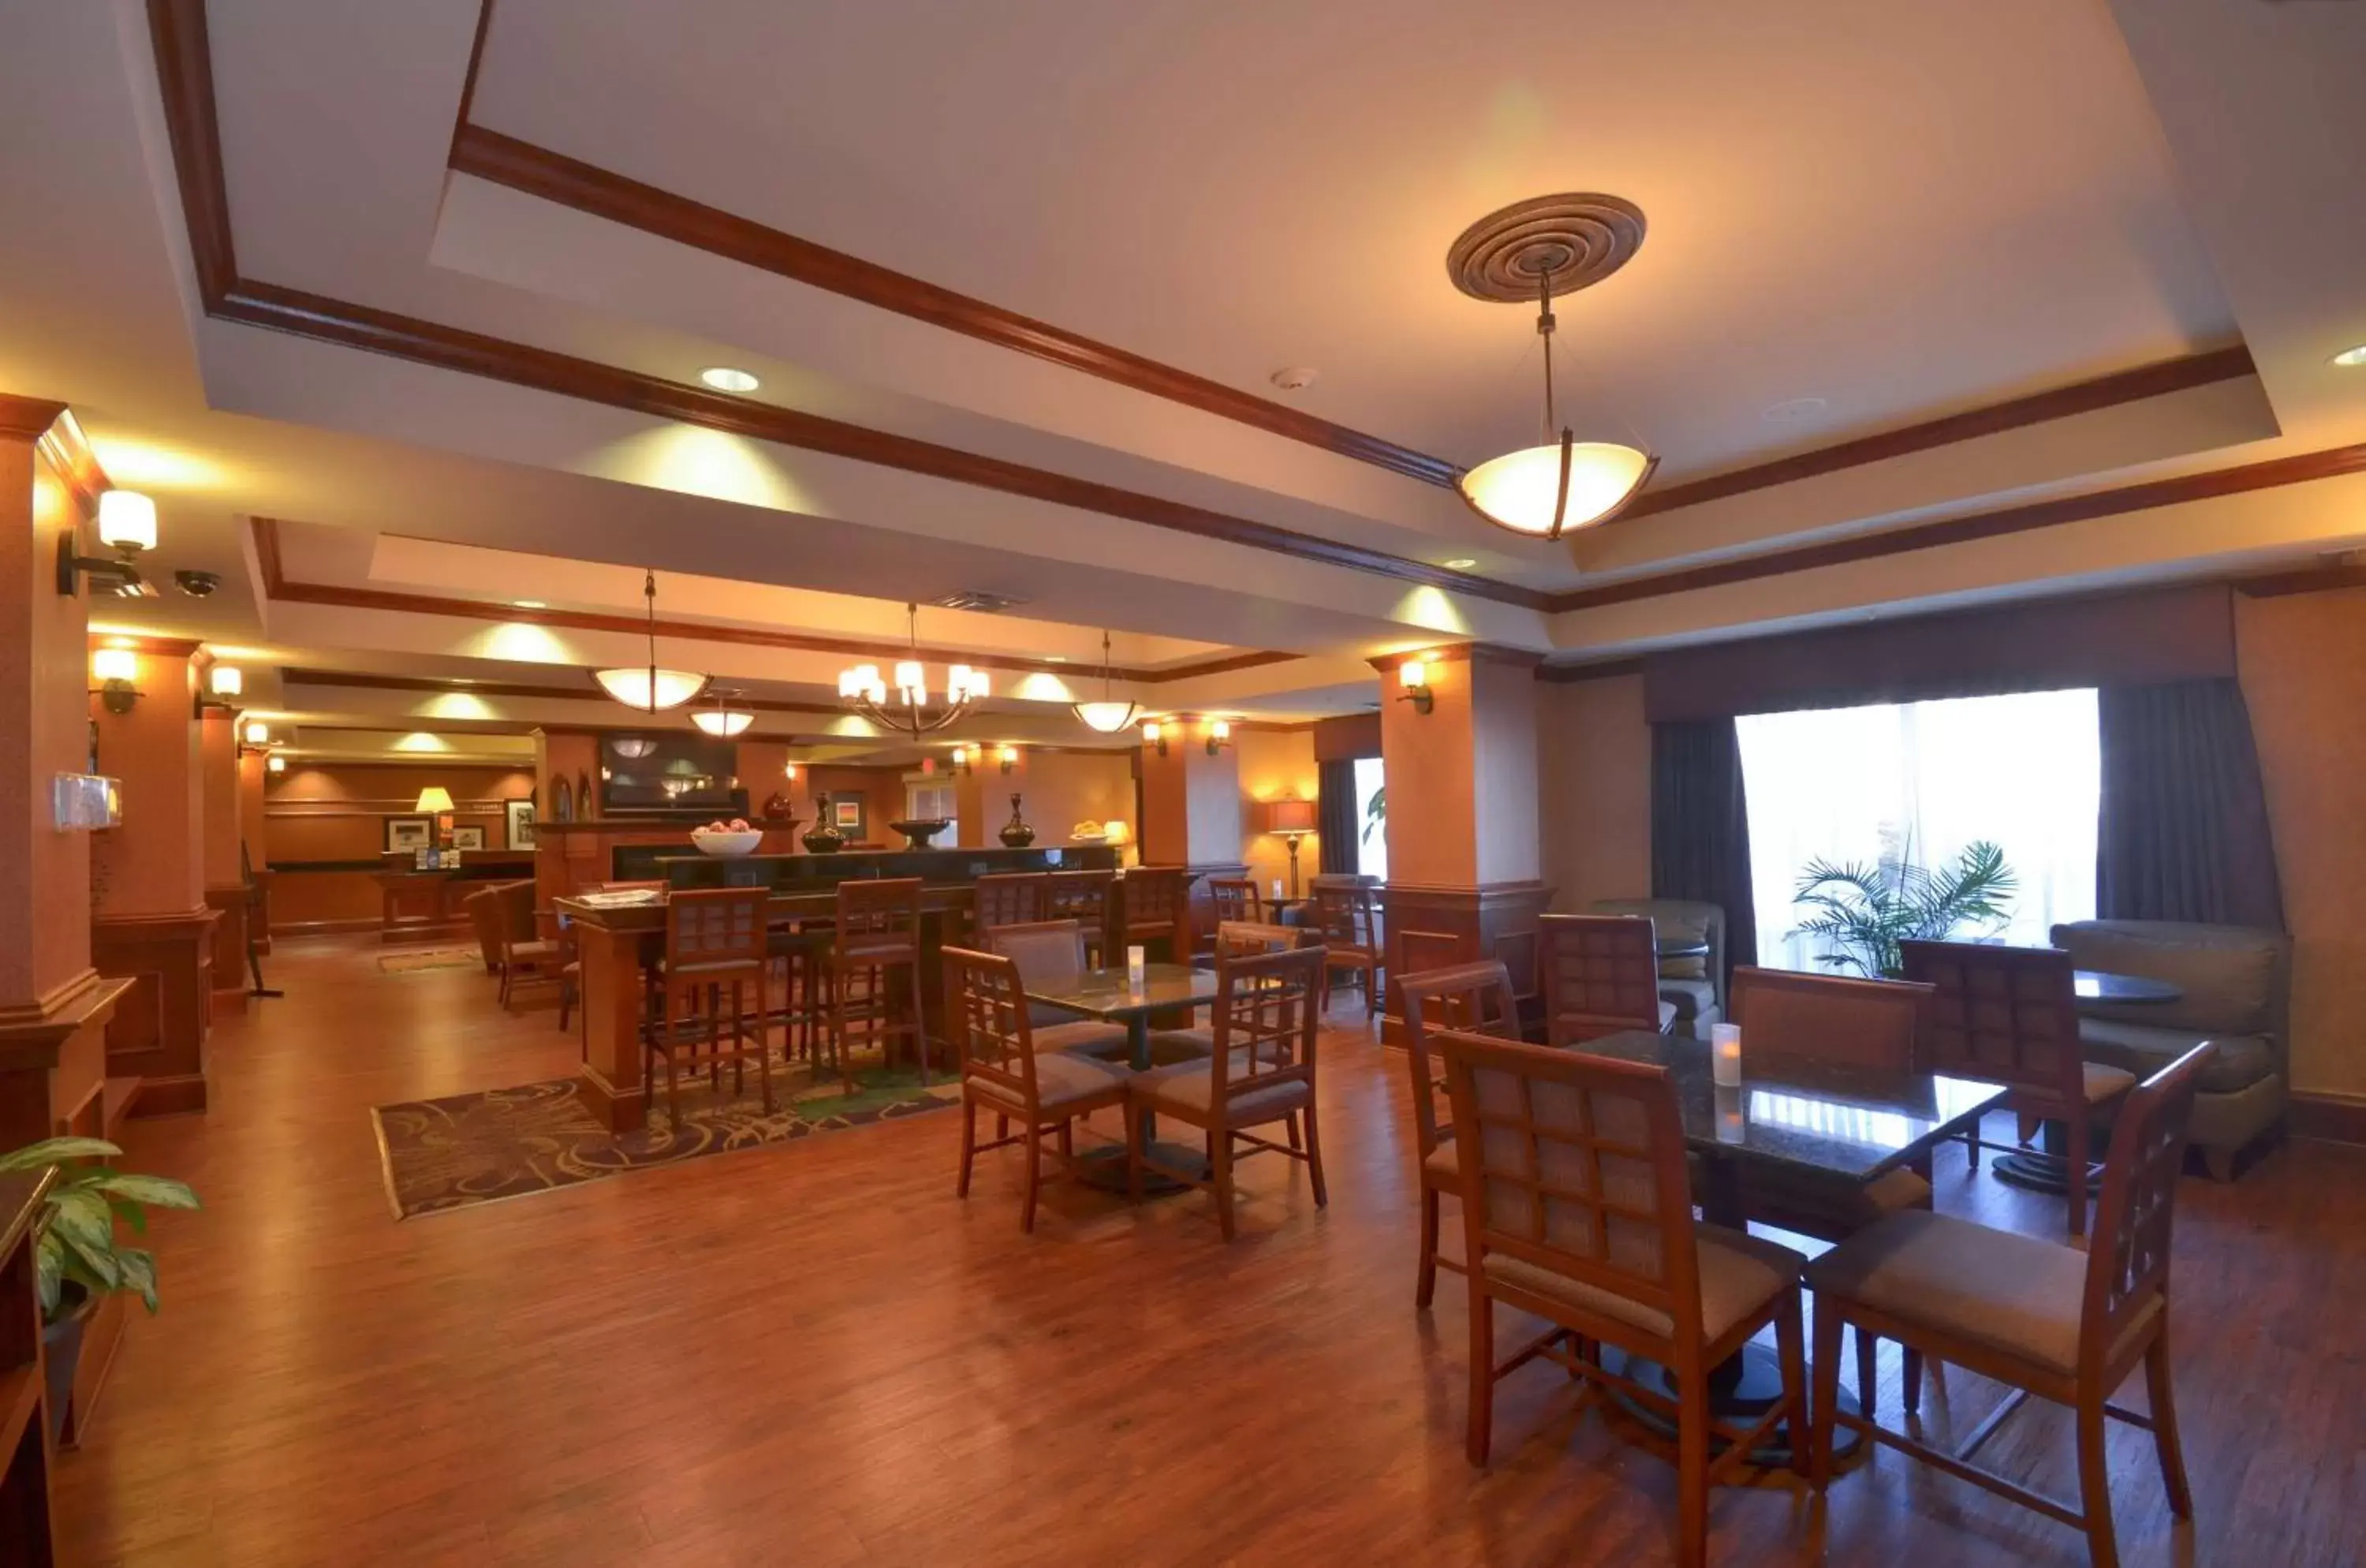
(815, 1354)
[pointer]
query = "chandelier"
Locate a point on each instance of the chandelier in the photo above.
(861, 689)
(1534, 250)
(1108, 715)
(723, 717)
(648, 688)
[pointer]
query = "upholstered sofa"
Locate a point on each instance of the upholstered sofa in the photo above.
(1694, 986)
(2238, 985)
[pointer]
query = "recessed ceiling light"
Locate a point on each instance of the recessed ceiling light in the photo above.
(723, 378)
(1294, 377)
(1792, 409)
(529, 605)
(2352, 356)
(1461, 563)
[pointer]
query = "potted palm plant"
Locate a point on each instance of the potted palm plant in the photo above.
(1866, 910)
(81, 1257)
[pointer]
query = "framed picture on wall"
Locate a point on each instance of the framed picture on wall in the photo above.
(846, 816)
(408, 834)
(471, 837)
(521, 823)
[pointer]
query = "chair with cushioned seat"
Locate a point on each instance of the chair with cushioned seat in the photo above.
(2065, 1324)
(1476, 999)
(1262, 1071)
(2010, 1015)
(1004, 1069)
(1345, 915)
(1048, 952)
(2238, 985)
(1698, 987)
(1008, 899)
(1577, 1209)
(527, 957)
(1601, 975)
(1084, 897)
(875, 942)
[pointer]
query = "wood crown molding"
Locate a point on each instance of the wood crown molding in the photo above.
(1458, 653)
(1600, 669)
(555, 177)
(160, 647)
(172, 925)
(67, 451)
(27, 419)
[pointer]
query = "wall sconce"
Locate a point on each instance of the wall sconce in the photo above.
(115, 669)
(1414, 676)
(1155, 738)
(126, 524)
(964, 760)
(274, 763)
(1010, 758)
(1220, 735)
(257, 733)
(223, 682)
(789, 772)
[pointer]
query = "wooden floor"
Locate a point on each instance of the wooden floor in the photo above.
(813, 1354)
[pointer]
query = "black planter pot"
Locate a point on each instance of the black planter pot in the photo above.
(61, 1350)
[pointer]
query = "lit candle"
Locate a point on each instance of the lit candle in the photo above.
(1135, 965)
(1731, 1125)
(1725, 1050)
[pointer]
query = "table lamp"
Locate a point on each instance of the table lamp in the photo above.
(1290, 820)
(436, 801)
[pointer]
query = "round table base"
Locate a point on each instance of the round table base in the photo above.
(1105, 1169)
(2041, 1172)
(1741, 1391)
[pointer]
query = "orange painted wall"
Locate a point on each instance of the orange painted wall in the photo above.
(44, 672)
(1273, 766)
(154, 862)
(1595, 789)
(1432, 833)
(218, 764)
(881, 790)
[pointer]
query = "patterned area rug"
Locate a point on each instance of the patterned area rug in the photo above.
(506, 1142)
(418, 958)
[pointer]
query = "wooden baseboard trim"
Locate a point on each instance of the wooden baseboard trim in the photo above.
(169, 1097)
(324, 927)
(2331, 1118)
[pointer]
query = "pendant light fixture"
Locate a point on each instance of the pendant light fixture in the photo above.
(1535, 250)
(861, 688)
(722, 717)
(1108, 715)
(649, 688)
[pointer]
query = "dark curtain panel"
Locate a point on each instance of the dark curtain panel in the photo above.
(2183, 833)
(1338, 819)
(1700, 832)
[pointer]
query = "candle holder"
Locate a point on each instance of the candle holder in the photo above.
(1135, 965)
(1725, 1053)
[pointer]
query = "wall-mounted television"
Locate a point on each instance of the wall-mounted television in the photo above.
(669, 771)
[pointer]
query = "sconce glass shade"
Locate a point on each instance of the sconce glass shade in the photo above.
(127, 521)
(1413, 674)
(114, 664)
(274, 763)
(1115, 831)
(650, 691)
(1222, 730)
(1150, 732)
(434, 799)
(1010, 758)
(258, 734)
(1523, 490)
(228, 680)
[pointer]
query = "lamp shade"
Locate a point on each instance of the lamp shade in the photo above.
(1523, 490)
(1290, 817)
(633, 686)
(114, 664)
(127, 521)
(434, 799)
(724, 721)
(229, 680)
(1115, 831)
(1105, 717)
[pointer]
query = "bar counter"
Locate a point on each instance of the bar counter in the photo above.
(617, 946)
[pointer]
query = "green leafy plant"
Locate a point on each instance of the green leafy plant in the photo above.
(79, 1241)
(1866, 910)
(1376, 813)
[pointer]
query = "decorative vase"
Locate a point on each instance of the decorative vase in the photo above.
(1016, 833)
(825, 839)
(584, 798)
(776, 806)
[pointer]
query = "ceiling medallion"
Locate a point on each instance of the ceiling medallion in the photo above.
(1535, 250)
(1108, 715)
(648, 688)
(864, 690)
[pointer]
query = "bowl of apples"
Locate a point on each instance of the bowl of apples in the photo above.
(732, 838)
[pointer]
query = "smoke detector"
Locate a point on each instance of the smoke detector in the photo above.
(1294, 377)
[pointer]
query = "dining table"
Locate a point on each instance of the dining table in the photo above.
(1114, 995)
(1840, 1123)
(2046, 1168)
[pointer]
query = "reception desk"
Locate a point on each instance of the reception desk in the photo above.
(415, 904)
(617, 946)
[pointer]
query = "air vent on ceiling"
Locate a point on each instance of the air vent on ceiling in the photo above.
(976, 599)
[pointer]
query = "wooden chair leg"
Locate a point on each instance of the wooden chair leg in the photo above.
(763, 1043)
(1791, 1348)
(1972, 1144)
(1297, 1139)
(1068, 1138)
(1866, 1372)
(969, 1145)
(920, 1022)
(1913, 1389)
(1825, 1397)
(2164, 1426)
(1219, 1179)
(838, 980)
(1425, 1280)
(1315, 1158)
(1371, 994)
(1482, 1372)
(1692, 1472)
(2095, 1481)
(1034, 1176)
(1132, 1154)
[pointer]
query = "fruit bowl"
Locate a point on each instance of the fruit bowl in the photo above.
(919, 831)
(726, 842)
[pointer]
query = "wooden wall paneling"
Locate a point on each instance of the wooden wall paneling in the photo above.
(158, 1034)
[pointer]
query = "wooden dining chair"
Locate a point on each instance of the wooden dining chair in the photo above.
(1236, 899)
(1153, 911)
(1874, 1027)
(1082, 896)
(1476, 999)
(527, 957)
(1262, 1071)
(2010, 1015)
(1349, 923)
(1049, 952)
(714, 938)
(875, 945)
(2041, 1318)
(1236, 939)
(1601, 975)
(1576, 1208)
(1005, 1070)
(1421, 951)
(1008, 899)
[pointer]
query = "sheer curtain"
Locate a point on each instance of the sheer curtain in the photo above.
(1921, 781)
(1372, 836)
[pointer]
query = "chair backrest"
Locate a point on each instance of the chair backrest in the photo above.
(484, 908)
(1474, 997)
(1045, 950)
(654, 885)
(1009, 898)
(1576, 1163)
(1830, 1019)
(713, 927)
(515, 902)
(2006, 1014)
(880, 913)
(1236, 898)
(1155, 903)
(1242, 938)
(1672, 918)
(1601, 975)
(1344, 915)
(2127, 1260)
(1420, 951)
(1267, 1010)
(986, 1013)
(1079, 896)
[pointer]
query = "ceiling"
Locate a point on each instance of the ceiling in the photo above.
(1937, 305)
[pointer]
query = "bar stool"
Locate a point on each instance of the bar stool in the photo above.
(878, 933)
(1082, 896)
(713, 938)
(802, 951)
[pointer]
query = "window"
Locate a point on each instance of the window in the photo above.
(1371, 819)
(1921, 781)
